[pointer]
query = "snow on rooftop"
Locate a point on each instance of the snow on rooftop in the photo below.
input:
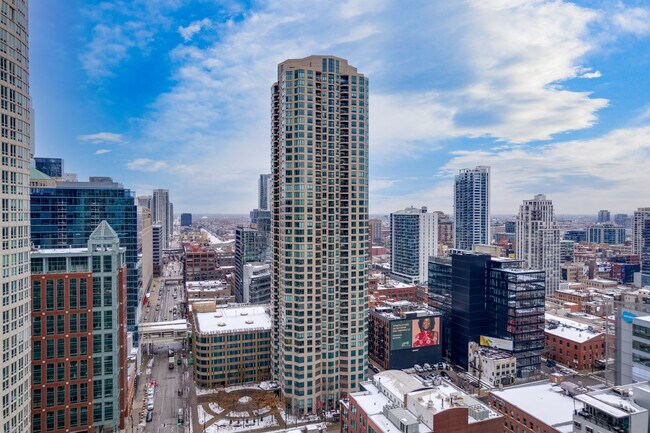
(570, 329)
(546, 402)
(233, 319)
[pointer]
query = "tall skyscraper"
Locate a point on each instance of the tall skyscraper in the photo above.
(65, 215)
(603, 216)
(160, 212)
(414, 237)
(538, 239)
(16, 140)
(320, 230)
(638, 223)
(264, 191)
(472, 207)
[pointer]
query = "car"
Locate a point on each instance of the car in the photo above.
(180, 392)
(150, 392)
(444, 374)
(426, 367)
(170, 310)
(149, 415)
(373, 368)
(180, 416)
(150, 405)
(417, 368)
(440, 366)
(157, 307)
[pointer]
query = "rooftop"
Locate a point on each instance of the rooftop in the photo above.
(543, 400)
(233, 319)
(569, 329)
(619, 401)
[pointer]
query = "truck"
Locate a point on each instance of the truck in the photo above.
(171, 362)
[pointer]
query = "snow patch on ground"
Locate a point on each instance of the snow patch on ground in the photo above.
(201, 391)
(204, 417)
(291, 419)
(224, 425)
(234, 414)
(245, 399)
(216, 408)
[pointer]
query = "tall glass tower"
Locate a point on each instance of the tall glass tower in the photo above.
(15, 128)
(319, 232)
(472, 207)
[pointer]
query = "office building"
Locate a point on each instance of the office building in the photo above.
(538, 239)
(606, 233)
(469, 317)
(414, 238)
(160, 212)
(396, 402)
(264, 192)
(53, 167)
(156, 248)
(623, 220)
(186, 219)
(143, 201)
(510, 226)
(575, 235)
(232, 345)
(320, 239)
(16, 141)
(603, 216)
(402, 334)
(145, 251)
(472, 208)
(250, 246)
(567, 251)
(79, 336)
(439, 296)
(66, 215)
(515, 307)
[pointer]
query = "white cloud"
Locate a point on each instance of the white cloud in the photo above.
(147, 165)
(187, 33)
(633, 20)
(102, 137)
(102, 151)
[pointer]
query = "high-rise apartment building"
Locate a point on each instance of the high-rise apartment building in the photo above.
(414, 238)
(79, 342)
(472, 207)
(16, 141)
(186, 219)
(160, 212)
(250, 247)
(145, 250)
(264, 191)
(606, 233)
(603, 216)
(375, 232)
(319, 230)
(65, 215)
(53, 167)
(638, 222)
(538, 239)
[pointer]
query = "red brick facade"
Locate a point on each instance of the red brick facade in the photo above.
(579, 356)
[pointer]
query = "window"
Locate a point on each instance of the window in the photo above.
(37, 374)
(72, 320)
(83, 294)
(73, 346)
(83, 345)
(97, 366)
(60, 324)
(49, 295)
(72, 294)
(36, 326)
(49, 349)
(49, 325)
(74, 370)
(83, 322)
(83, 370)
(60, 295)
(36, 295)
(36, 350)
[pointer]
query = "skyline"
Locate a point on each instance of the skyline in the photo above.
(545, 93)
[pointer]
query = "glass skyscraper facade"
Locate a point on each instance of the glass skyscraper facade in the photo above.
(66, 215)
(472, 208)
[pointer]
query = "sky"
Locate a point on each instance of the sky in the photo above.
(552, 95)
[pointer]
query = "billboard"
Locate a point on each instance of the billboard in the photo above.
(497, 343)
(412, 334)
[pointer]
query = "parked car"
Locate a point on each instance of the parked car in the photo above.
(444, 374)
(180, 391)
(440, 366)
(426, 367)
(149, 415)
(180, 416)
(417, 368)
(150, 404)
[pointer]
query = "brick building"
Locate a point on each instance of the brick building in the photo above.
(537, 407)
(79, 336)
(573, 344)
(200, 263)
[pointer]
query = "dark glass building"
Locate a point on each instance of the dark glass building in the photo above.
(66, 215)
(250, 247)
(53, 167)
(186, 219)
(575, 235)
(439, 296)
(515, 306)
(469, 316)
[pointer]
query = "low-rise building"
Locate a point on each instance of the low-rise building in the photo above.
(200, 263)
(491, 366)
(573, 344)
(397, 402)
(402, 333)
(621, 409)
(214, 290)
(539, 407)
(232, 345)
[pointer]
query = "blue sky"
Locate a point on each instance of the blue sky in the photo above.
(553, 95)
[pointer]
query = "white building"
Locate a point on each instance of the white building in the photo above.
(638, 221)
(256, 283)
(538, 239)
(414, 238)
(491, 366)
(621, 409)
(160, 212)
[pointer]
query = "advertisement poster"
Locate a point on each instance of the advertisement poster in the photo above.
(426, 332)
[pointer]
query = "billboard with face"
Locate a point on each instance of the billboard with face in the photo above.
(411, 334)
